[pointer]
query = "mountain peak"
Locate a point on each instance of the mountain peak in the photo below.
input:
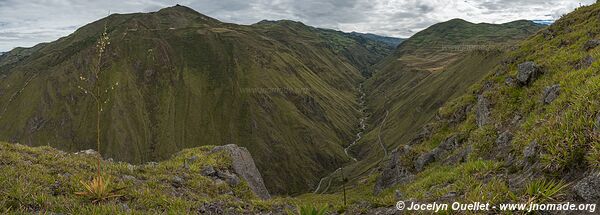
(178, 8)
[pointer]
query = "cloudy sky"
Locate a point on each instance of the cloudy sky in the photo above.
(28, 22)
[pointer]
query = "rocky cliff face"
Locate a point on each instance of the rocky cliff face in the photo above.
(243, 165)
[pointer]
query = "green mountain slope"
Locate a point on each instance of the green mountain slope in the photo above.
(526, 132)
(427, 70)
(285, 91)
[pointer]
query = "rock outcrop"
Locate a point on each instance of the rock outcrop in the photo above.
(585, 63)
(551, 93)
(439, 153)
(531, 152)
(393, 172)
(590, 44)
(504, 139)
(483, 111)
(527, 73)
(589, 188)
(243, 165)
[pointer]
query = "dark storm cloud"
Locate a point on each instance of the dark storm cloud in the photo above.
(26, 23)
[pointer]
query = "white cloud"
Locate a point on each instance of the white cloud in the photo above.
(26, 23)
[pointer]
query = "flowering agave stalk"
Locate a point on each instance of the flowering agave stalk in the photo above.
(91, 84)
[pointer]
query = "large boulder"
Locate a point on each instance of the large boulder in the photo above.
(551, 93)
(527, 73)
(588, 188)
(393, 172)
(482, 113)
(243, 165)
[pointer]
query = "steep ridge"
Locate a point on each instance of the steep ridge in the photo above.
(432, 67)
(528, 131)
(284, 90)
(533, 124)
(409, 86)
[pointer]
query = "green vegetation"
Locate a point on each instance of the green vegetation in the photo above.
(551, 143)
(540, 191)
(311, 210)
(52, 179)
(284, 90)
(190, 81)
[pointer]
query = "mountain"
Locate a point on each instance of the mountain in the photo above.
(391, 41)
(461, 32)
(425, 72)
(453, 118)
(526, 128)
(285, 91)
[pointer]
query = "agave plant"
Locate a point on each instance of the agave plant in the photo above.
(310, 210)
(98, 189)
(544, 190)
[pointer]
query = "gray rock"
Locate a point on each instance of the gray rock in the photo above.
(460, 156)
(548, 34)
(482, 114)
(230, 178)
(193, 159)
(504, 139)
(585, 63)
(90, 152)
(510, 81)
(460, 115)
(244, 166)
(527, 73)
(516, 119)
(423, 160)
(551, 93)
(423, 134)
(212, 208)
(451, 142)
(588, 188)
(531, 152)
(399, 195)
(125, 208)
(393, 172)
(128, 178)
(177, 181)
(208, 171)
(590, 44)
(56, 188)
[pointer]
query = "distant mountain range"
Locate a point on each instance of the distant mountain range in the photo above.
(392, 41)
